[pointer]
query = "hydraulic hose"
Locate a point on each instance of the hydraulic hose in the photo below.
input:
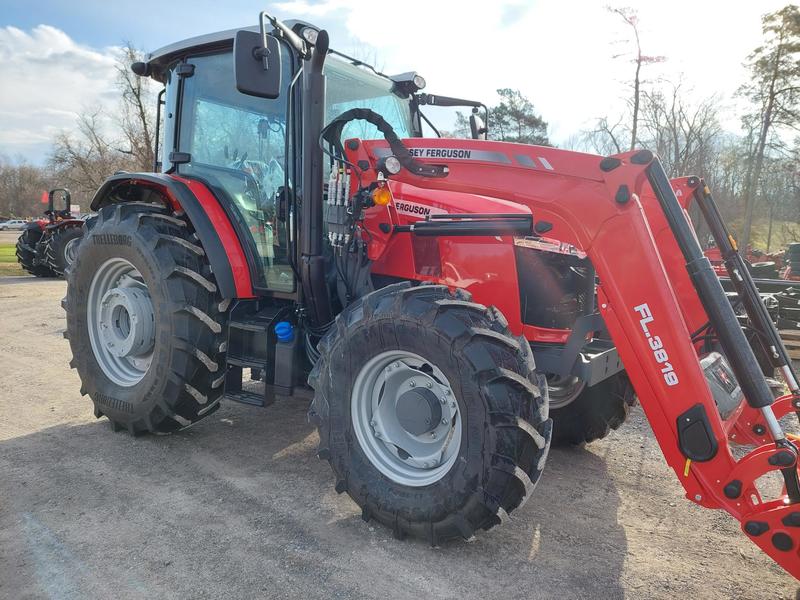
(332, 133)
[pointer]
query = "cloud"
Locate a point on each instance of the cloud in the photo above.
(559, 54)
(48, 80)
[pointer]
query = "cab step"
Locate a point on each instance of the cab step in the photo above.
(245, 397)
(253, 344)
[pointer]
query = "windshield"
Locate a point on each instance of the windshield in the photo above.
(349, 87)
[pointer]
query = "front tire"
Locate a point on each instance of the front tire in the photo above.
(145, 321)
(491, 411)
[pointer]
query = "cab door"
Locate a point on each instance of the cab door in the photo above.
(237, 144)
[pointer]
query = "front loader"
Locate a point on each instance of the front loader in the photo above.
(426, 396)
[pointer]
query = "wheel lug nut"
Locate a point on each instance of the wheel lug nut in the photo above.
(429, 385)
(412, 384)
(433, 434)
(443, 400)
(397, 364)
(447, 392)
(444, 421)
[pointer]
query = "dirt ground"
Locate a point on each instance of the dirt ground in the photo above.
(239, 507)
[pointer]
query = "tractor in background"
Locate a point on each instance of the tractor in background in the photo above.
(46, 247)
(791, 268)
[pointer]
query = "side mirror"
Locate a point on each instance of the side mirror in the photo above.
(477, 126)
(256, 67)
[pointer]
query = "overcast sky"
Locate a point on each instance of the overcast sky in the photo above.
(56, 56)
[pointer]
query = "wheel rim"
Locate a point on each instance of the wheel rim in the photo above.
(121, 322)
(70, 250)
(406, 418)
(563, 390)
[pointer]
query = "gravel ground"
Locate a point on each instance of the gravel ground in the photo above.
(239, 507)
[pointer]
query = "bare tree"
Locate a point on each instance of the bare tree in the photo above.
(21, 188)
(105, 143)
(85, 159)
(605, 138)
(682, 133)
(631, 19)
(136, 115)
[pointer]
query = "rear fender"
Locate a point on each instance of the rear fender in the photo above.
(64, 223)
(203, 210)
(36, 225)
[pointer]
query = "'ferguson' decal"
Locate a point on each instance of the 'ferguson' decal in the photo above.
(412, 209)
(440, 153)
(450, 154)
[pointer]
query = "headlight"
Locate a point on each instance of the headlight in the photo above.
(310, 35)
(408, 83)
(390, 165)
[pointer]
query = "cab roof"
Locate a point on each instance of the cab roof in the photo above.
(159, 60)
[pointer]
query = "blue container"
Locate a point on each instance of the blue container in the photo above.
(285, 332)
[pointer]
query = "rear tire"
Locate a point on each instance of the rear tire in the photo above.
(594, 412)
(26, 253)
(763, 270)
(504, 429)
(182, 382)
(60, 247)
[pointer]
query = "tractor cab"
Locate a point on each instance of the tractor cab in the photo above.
(52, 213)
(248, 149)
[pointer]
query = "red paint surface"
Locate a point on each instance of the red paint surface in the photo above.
(233, 247)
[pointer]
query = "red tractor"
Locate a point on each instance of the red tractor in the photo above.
(416, 284)
(791, 269)
(46, 247)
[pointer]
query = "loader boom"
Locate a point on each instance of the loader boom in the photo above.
(601, 207)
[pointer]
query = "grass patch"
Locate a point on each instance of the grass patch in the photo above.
(8, 260)
(783, 233)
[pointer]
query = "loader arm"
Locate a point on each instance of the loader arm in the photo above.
(748, 426)
(601, 206)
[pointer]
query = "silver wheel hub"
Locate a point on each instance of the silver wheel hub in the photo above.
(406, 418)
(70, 250)
(564, 390)
(127, 325)
(121, 322)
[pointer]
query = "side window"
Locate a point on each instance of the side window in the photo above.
(238, 144)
